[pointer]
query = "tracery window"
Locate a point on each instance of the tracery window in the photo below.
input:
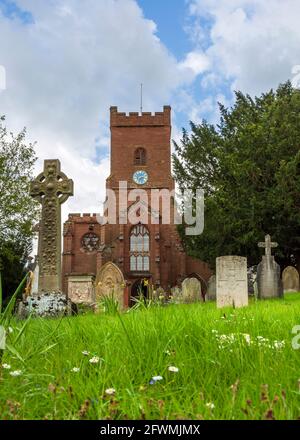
(139, 249)
(90, 242)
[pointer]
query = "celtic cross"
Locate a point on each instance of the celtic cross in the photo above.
(51, 188)
(268, 245)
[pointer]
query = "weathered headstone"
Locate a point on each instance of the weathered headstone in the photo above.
(269, 283)
(81, 289)
(191, 290)
(290, 279)
(51, 188)
(110, 282)
(252, 274)
(231, 281)
(211, 289)
(176, 293)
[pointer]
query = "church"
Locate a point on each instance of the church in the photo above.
(126, 257)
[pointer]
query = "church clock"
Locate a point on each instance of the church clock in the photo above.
(140, 177)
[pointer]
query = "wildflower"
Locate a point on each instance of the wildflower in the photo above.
(10, 329)
(85, 353)
(247, 338)
(110, 391)
(173, 369)
(210, 405)
(155, 379)
(75, 370)
(94, 360)
(278, 344)
(16, 373)
(6, 366)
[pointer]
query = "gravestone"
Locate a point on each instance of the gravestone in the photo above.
(231, 281)
(252, 274)
(269, 284)
(110, 283)
(81, 289)
(51, 188)
(176, 293)
(290, 279)
(211, 289)
(191, 290)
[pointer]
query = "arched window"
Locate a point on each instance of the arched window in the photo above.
(139, 249)
(140, 156)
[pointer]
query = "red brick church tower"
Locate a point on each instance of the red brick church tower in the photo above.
(124, 252)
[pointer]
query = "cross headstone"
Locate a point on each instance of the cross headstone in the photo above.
(269, 284)
(51, 188)
(268, 245)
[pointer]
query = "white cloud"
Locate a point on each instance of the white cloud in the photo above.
(253, 44)
(196, 62)
(67, 68)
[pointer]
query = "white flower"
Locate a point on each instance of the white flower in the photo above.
(210, 405)
(247, 338)
(94, 360)
(155, 379)
(6, 366)
(278, 344)
(110, 391)
(16, 373)
(10, 329)
(75, 370)
(173, 369)
(85, 353)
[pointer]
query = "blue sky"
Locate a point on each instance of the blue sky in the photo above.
(13, 11)
(67, 61)
(170, 17)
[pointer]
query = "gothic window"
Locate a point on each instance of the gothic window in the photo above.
(90, 242)
(139, 249)
(140, 156)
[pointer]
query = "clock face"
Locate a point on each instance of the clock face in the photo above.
(140, 177)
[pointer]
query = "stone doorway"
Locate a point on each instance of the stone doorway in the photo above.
(138, 288)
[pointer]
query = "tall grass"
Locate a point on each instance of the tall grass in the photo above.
(220, 376)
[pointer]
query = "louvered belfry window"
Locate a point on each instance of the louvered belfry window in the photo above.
(140, 156)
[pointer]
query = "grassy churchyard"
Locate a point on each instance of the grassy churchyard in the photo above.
(185, 361)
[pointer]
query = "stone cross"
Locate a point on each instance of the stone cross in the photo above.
(51, 188)
(268, 245)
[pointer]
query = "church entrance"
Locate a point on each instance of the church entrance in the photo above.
(139, 289)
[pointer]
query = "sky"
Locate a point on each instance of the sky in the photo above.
(63, 63)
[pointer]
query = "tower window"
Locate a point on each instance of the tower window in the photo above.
(140, 156)
(139, 249)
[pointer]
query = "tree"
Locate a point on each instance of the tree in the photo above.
(17, 209)
(249, 168)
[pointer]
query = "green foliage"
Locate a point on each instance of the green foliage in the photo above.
(17, 209)
(249, 169)
(225, 369)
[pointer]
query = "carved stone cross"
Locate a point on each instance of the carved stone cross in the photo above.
(268, 245)
(51, 188)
